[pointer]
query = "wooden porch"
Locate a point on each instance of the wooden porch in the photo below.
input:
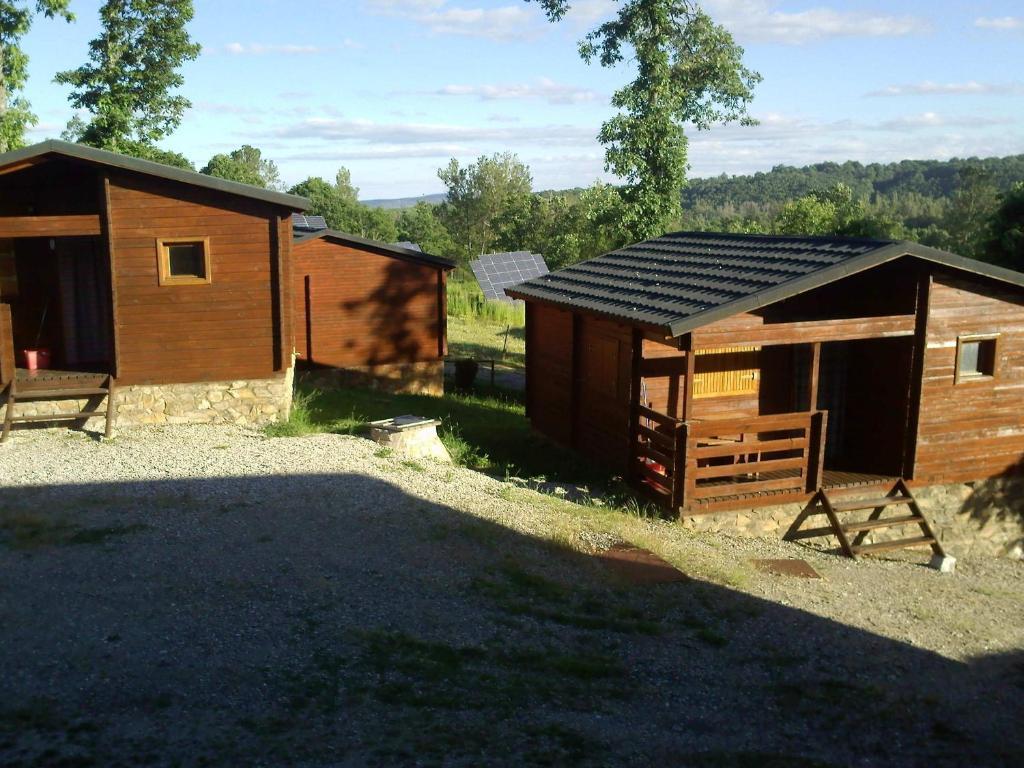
(19, 385)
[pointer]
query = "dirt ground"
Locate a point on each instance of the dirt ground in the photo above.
(209, 596)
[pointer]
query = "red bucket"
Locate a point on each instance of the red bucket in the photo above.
(36, 359)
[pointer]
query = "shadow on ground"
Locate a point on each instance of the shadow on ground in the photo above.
(336, 620)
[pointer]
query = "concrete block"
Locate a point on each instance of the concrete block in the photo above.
(943, 563)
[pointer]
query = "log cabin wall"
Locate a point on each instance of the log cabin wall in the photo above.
(974, 429)
(236, 327)
(549, 382)
(579, 382)
(364, 308)
(603, 371)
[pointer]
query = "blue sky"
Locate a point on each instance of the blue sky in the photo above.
(393, 88)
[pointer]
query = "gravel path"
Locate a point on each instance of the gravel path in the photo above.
(209, 596)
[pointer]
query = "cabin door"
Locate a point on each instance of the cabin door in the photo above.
(85, 304)
(865, 387)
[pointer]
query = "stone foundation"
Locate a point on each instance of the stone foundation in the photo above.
(406, 378)
(982, 518)
(253, 402)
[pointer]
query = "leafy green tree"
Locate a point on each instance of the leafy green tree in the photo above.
(1006, 246)
(969, 220)
(339, 204)
(477, 195)
(421, 225)
(129, 85)
(689, 71)
(15, 20)
(246, 165)
(833, 212)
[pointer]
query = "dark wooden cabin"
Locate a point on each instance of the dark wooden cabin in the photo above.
(171, 283)
(370, 311)
(724, 371)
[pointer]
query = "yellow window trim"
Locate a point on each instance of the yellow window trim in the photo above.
(164, 261)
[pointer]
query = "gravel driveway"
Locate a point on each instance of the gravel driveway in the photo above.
(210, 596)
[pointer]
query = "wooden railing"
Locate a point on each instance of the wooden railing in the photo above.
(685, 465)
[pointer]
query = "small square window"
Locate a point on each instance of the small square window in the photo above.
(184, 261)
(976, 357)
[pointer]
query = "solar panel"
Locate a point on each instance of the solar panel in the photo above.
(409, 246)
(497, 271)
(308, 223)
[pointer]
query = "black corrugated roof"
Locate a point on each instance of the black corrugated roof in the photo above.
(377, 246)
(683, 280)
(148, 167)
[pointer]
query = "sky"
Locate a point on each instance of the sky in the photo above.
(392, 89)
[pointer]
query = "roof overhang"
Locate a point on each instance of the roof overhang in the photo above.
(809, 282)
(376, 246)
(37, 153)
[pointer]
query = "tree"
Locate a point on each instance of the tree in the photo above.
(477, 194)
(833, 212)
(1006, 245)
(421, 225)
(129, 85)
(338, 203)
(970, 216)
(689, 70)
(246, 165)
(15, 20)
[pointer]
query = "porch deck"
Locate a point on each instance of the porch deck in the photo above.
(832, 480)
(713, 465)
(51, 380)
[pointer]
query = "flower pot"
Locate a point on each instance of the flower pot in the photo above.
(36, 359)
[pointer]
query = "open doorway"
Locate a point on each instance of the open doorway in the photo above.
(865, 387)
(59, 293)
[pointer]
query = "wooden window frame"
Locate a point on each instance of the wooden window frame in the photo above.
(958, 377)
(163, 259)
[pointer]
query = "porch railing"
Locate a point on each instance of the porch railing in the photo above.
(688, 465)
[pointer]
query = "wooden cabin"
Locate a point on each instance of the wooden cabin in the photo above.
(720, 371)
(173, 286)
(369, 312)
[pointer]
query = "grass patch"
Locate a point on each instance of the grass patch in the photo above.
(29, 530)
(300, 419)
(416, 673)
(519, 592)
(486, 429)
(486, 340)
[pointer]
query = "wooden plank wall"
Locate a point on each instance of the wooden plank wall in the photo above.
(366, 308)
(604, 358)
(973, 430)
(176, 334)
(550, 384)
(664, 381)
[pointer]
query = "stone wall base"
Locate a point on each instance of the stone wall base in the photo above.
(253, 402)
(981, 518)
(407, 378)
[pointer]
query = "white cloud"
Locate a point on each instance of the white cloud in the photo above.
(758, 20)
(508, 22)
(1001, 23)
(968, 88)
(260, 49)
(373, 132)
(544, 89)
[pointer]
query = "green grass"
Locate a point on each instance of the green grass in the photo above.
(467, 301)
(485, 340)
(485, 430)
(23, 530)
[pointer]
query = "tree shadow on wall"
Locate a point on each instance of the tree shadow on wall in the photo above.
(401, 321)
(1000, 500)
(337, 619)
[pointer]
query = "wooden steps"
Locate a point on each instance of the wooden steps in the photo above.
(57, 386)
(898, 495)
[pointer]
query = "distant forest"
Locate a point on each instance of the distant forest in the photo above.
(764, 194)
